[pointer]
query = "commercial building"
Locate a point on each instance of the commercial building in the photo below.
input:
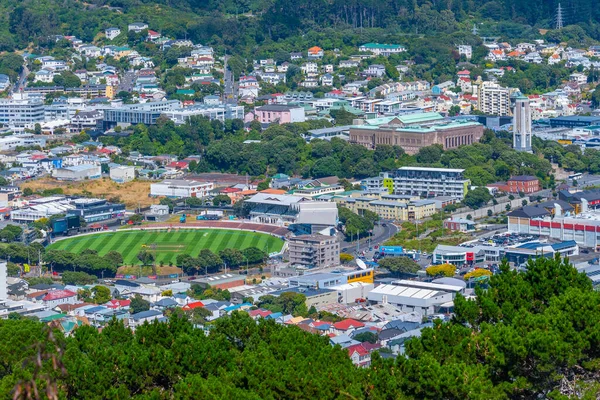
(523, 184)
(492, 98)
(520, 254)
(574, 121)
(351, 292)
(179, 188)
(279, 113)
(78, 172)
(314, 297)
(327, 280)
(21, 111)
(429, 182)
(413, 296)
(95, 210)
(314, 250)
(146, 113)
(220, 112)
(122, 173)
(522, 125)
(414, 131)
(392, 209)
(42, 208)
(583, 228)
(461, 256)
(23, 140)
(459, 224)
(225, 281)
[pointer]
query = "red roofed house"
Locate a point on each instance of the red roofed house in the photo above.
(463, 74)
(55, 297)
(260, 313)
(191, 306)
(118, 304)
(178, 165)
(360, 354)
(152, 35)
(315, 52)
(348, 325)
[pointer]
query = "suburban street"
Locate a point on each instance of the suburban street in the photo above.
(128, 81)
(20, 84)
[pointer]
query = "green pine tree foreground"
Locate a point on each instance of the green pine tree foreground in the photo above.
(530, 335)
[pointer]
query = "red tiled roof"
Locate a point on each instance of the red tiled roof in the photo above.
(58, 294)
(191, 306)
(231, 190)
(259, 313)
(357, 348)
(118, 303)
(463, 72)
(178, 164)
(347, 324)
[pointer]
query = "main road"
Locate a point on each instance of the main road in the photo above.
(380, 234)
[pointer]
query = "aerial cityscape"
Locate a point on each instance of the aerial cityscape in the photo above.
(299, 199)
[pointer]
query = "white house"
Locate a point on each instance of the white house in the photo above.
(55, 297)
(137, 27)
(309, 68)
(112, 33)
(44, 75)
(465, 50)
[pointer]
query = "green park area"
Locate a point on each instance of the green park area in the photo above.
(167, 245)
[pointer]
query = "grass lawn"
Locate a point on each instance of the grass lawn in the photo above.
(168, 245)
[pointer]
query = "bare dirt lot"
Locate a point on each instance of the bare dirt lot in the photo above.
(131, 193)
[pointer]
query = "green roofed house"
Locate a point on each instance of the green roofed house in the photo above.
(382, 49)
(414, 131)
(186, 92)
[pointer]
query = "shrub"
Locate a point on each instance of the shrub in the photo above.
(443, 270)
(477, 273)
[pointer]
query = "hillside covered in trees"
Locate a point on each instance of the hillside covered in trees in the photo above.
(245, 26)
(530, 335)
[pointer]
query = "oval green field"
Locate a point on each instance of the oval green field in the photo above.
(165, 245)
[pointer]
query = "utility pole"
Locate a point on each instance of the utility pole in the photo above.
(559, 17)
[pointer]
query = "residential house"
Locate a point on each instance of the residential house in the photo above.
(315, 52)
(376, 70)
(112, 33)
(138, 319)
(137, 27)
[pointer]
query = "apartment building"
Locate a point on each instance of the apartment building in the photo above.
(430, 182)
(21, 111)
(492, 98)
(314, 250)
(146, 113)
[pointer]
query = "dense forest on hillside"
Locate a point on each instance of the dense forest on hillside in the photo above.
(530, 335)
(244, 26)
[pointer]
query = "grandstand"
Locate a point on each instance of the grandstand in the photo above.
(277, 209)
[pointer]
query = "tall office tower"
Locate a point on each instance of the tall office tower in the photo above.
(522, 124)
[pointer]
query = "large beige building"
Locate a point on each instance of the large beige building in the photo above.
(492, 98)
(414, 131)
(391, 207)
(314, 250)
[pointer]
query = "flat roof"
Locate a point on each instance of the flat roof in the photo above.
(431, 169)
(427, 285)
